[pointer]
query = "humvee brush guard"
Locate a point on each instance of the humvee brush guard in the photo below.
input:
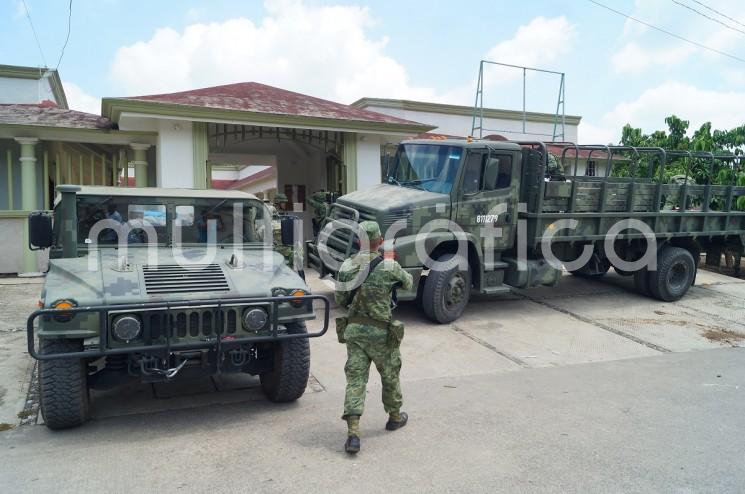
(479, 216)
(148, 283)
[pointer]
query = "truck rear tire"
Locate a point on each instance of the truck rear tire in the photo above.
(289, 378)
(63, 385)
(675, 273)
(446, 292)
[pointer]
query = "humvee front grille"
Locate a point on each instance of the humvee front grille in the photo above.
(195, 323)
(172, 278)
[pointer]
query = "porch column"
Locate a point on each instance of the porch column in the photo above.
(350, 161)
(140, 163)
(29, 200)
(201, 148)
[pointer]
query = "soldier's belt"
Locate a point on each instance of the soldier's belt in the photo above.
(368, 321)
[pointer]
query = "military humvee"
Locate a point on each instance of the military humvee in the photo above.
(479, 216)
(147, 283)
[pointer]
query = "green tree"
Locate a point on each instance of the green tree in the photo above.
(676, 137)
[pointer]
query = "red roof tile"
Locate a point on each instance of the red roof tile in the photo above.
(260, 98)
(45, 115)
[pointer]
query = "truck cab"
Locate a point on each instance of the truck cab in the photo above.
(444, 194)
(148, 283)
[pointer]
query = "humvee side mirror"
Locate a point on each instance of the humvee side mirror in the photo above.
(491, 173)
(39, 231)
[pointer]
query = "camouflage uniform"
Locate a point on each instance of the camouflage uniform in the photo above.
(320, 209)
(672, 201)
(367, 334)
(291, 256)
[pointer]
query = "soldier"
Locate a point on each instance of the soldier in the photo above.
(672, 201)
(293, 254)
(320, 204)
(280, 202)
(370, 334)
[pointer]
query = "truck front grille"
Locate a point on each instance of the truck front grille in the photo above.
(172, 278)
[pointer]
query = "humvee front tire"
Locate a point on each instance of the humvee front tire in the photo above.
(676, 270)
(289, 378)
(63, 385)
(446, 292)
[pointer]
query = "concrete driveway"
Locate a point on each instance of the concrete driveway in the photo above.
(496, 400)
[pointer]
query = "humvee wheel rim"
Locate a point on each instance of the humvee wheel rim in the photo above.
(456, 290)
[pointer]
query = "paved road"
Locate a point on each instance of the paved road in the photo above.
(669, 423)
(497, 403)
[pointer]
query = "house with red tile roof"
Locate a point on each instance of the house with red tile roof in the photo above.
(246, 136)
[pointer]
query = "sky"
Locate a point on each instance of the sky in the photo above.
(617, 71)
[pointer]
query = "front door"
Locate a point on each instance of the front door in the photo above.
(488, 198)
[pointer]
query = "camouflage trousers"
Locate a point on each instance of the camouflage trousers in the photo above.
(387, 360)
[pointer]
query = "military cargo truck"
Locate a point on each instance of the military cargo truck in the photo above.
(479, 216)
(147, 283)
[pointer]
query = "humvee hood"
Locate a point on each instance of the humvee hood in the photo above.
(114, 282)
(389, 197)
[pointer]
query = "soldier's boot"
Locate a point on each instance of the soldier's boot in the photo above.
(352, 446)
(396, 421)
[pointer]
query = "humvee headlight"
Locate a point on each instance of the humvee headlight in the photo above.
(297, 293)
(126, 327)
(255, 318)
(63, 304)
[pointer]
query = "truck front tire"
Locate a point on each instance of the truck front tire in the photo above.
(446, 292)
(676, 270)
(63, 385)
(289, 377)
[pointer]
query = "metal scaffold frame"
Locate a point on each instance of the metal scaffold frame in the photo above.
(559, 115)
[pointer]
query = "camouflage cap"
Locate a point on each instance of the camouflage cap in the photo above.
(280, 198)
(372, 229)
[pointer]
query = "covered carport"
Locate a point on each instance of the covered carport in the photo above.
(262, 139)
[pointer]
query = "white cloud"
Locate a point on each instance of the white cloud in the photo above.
(640, 50)
(325, 51)
(78, 99)
(592, 134)
(542, 41)
(633, 58)
(320, 50)
(724, 109)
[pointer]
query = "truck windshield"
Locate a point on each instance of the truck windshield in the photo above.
(431, 167)
(184, 221)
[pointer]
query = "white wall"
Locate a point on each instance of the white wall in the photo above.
(174, 154)
(460, 125)
(368, 160)
(18, 90)
(12, 233)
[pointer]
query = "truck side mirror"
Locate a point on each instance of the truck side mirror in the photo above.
(491, 174)
(39, 231)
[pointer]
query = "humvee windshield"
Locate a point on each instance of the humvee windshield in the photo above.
(177, 221)
(429, 167)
